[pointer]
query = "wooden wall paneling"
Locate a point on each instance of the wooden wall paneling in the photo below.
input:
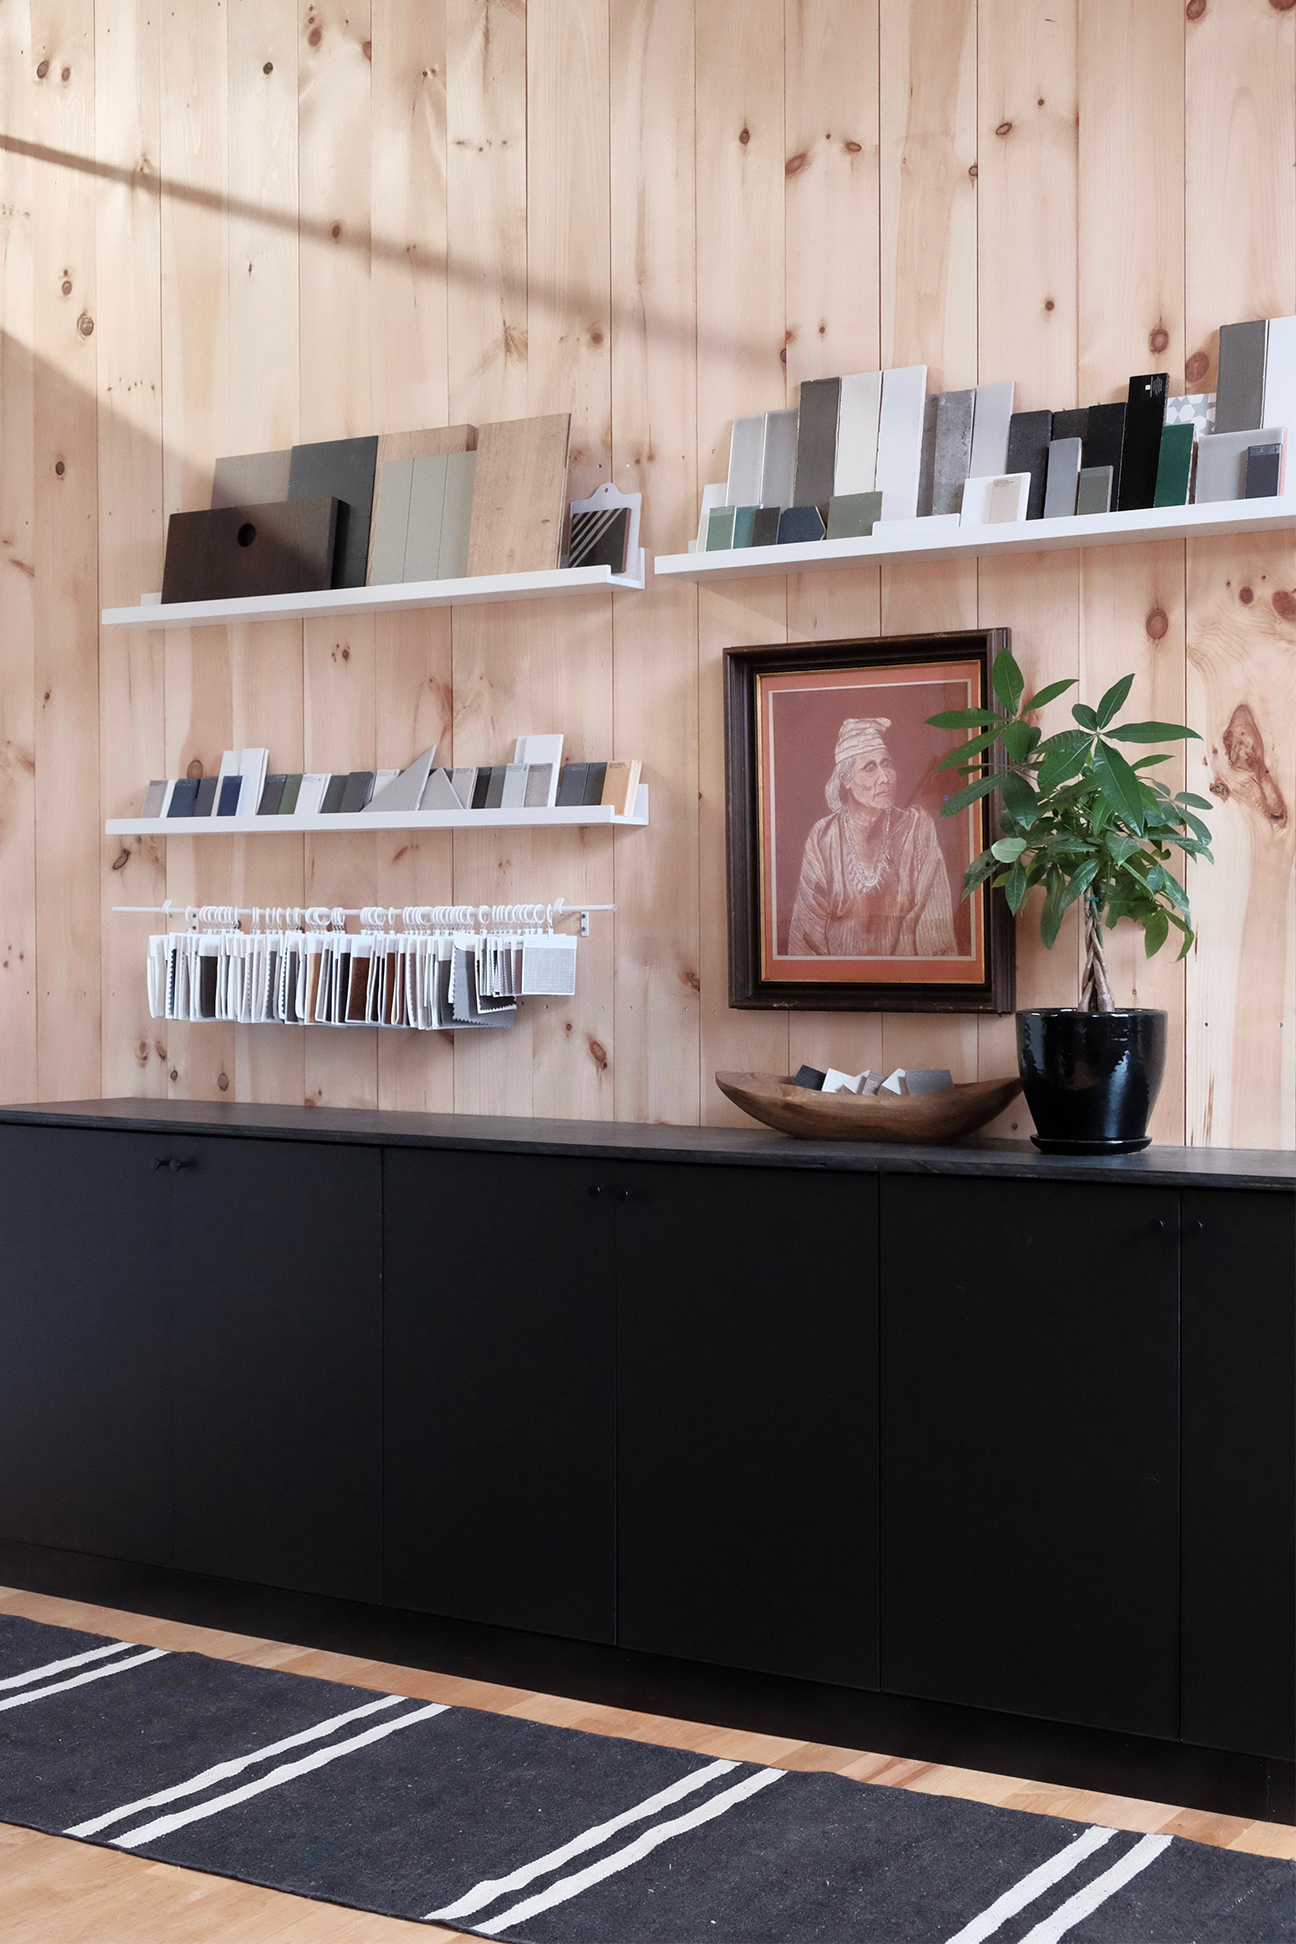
(1240, 260)
(66, 742)
(486, 208)
(654, 452)
(928, 209)
(18, 83)
(132, 722)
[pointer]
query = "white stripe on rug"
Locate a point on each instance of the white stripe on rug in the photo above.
(1086, 1901)
(150, 1832)
(1031, 1886)
(635, 1852)
(79, 1680)
(226, 1771)
(73, 1660)
(492, 1888)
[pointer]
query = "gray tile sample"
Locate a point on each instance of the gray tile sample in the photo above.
(356, 792)
(600, 537)
(340, 469)
(205, 801)
(927, 459)
(954, 412)
(405, 792)
(571, 786)
(991, 417)
(857, 433)
(1198, 408)
(334, 790)
(852, 516)
(1094, 492)
(538, 778)
(1029, 436)
(765, 526)
(904, 397)
(251, 478)
(1141, 444)
(595, 775)
(464, 783)
(816, 462)
(271, 796)
(427, 503)
(1103, 439)
(439, 793)
(798, 524)
(1264, 467)
(495, 788)
(456, 514)
(778, 472)
(746, 459)
(720, 528)
(154, 797)
(513, 794)
(1063, 478)
(1240, 386)
(1222, 463)
(391, 523)
(183, 797)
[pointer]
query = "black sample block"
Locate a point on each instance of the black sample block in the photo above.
(811, 1077)
(241, 552)
(594, 781)
(356, 792)
(571, 786)
(1103, 440)
(1141, 443)
(183, 797)
(271, 796)
(333, 793)
(344, 469)
(799, 523)
(600, 538)
(1071, 425)
(205, 801)
(481, 785)
(765, 526)
(816, 458)
(1029, 434)
(1263, 471)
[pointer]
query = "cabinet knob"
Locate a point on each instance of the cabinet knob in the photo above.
(159, 1161)
(596, 1190)
(1196, 1227)
(175, 1166)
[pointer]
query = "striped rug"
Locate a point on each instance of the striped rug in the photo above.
(513, 1829)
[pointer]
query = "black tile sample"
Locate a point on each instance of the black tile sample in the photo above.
(571, 786)
(1071, 425)
(1263, 471)
(1102, 443)
(765, 526)
(1141, 443)
(816, 458)
(595, 778)
(799, 523)
(183, 797)
(205, 801)
(811, 1077)
(333, 794)
(357, 792)
(344, 470)
(1029, 434)
(1239, 388)
(480, 786)
(271, 796)
(236, 552)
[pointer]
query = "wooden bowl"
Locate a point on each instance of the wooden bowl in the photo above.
(814, 1116)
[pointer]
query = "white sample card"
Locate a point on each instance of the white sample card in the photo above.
(900, 433)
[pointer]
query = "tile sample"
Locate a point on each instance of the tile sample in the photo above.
(405, 792)
(991, 417)
(390, 522)
(900, 428)
(227, 801)
(744, 525)
(464, 784)
(1264, 471)
(331, 802)
(1240, 386)
(356, 792)
(1141, 444)
(1174, 467)
(1063, 479)
(712, 496)
(154, 797)
(291, 792)
(765, 526)
(205, 801)
(927, 460)
(481, 788)
(456, 514)
(513, 794)
(439, 793)
(954, 412)
(600, 539)
(1103, 439)
(1193, 408)
(798, 524)
(988, 502)
(595, 776)
(283, 548)
(251, 478)
(746, 459)
(1095, 490)
(541, 779)
(720, 529)
(778, 473)
(343, 469)
(519, 504)
(1071, 425)
(1280, 375)
(183, 797)
(310, 798)
(571, 785)
(816, 460)
(857, 433)
(1029, 434)
(422, 561)
(1222, 463)
(397, 448)
(851, 516)
(271, 796)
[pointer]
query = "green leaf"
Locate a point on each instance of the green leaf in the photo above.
(977, 872)
(1119, 784)
(966, 719)
(1113, 699)
(1156, 930)
(1015, 887)
(1154, 732)
(1146, 762)
(1186, 947)
(1201, 831)
(1085, 716)
(1080, 882)
(1045, 695)
(1176, 893)
(1194, 802)
(972, 794)
(1019, 739)
(1051, 916)
(1120, 847)
(957, 756)
(1007, 680)
(1019, 799)
(1008, 849)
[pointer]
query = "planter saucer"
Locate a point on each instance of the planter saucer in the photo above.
(1091, 1147)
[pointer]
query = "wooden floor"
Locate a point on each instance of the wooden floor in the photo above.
(53, 1891)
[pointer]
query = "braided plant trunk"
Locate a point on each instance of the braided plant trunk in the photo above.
(1095, 988)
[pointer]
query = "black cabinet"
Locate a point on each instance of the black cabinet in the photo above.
(1029, 1382)
(747, 1418)
(1239, 1474)
(85, 1376)
(277, 1278)
(499, 1390)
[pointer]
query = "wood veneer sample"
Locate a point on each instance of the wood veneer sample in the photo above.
(395, 448)
(241, 551)
(519, 496)
(345, 469)
(251, 478)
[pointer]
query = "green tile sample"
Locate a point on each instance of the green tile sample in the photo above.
(851, 516)
(744, 525)
(1174, 467)
(720, 529)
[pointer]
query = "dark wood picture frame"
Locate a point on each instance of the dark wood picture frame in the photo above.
(749, 987)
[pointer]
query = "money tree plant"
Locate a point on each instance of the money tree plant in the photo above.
(1078, 818)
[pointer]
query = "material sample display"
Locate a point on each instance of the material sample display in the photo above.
(405, 792)
(991, 418)
(857, 433)
(1240, 386)
(244, 551)
(954, 412)
(900, 429)
(816, 442)
(799, 524)
(1222, 462)
(1174, 467)
(852, 516)
(1095, 490)
(519, 500)
(996, 502)
(344, 470)
(1029, 435)
(765, 526)
(1141, 443)
(251, 478)
(720, 529)
(601, 539)
(1264, 468)
(1103, 440)
(778, 468)
(1280, 375)
(1063, 479)
(746, 460)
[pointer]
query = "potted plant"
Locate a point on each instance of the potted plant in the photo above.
(1082, 823)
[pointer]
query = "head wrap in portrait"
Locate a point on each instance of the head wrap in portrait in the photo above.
(858, 736)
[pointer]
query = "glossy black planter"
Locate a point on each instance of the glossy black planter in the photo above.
(1091, 1079)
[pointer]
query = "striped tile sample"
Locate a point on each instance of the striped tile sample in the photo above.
(600, 539)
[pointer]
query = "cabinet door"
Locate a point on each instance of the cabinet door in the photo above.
(1030, 1448)
(85, 1370)
(277, 1284)
(1239, 1491)
(747, 1448)
(499, 1378)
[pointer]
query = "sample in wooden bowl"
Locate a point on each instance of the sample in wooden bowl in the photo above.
(815, 1116)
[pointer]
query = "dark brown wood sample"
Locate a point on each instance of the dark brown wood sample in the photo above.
(237, 552)
(344, 469)
(519, 503)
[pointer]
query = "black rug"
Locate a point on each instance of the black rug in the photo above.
(517, 1830)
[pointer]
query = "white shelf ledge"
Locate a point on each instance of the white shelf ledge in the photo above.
(968, 543)
(396, 597)
(596, 814)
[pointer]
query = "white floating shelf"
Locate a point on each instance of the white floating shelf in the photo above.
(596, 814)
(968, 543)
(396, 597)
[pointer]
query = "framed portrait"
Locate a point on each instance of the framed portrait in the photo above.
(845, 884)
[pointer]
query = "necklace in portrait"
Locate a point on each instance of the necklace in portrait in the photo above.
(865, 878)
